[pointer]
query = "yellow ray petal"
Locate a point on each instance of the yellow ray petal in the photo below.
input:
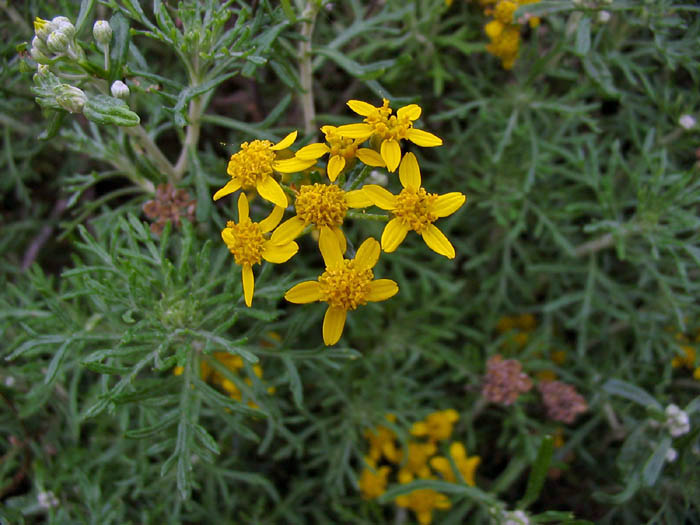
(391, 153)
(423, 138)
(409, 172)
(293, 165)
(271, 221)
(448, 203)
(341, 239)
(357, 199)
(361, 108)
(393, 235)
(270, 190)
(243, 208)
(437, 242)
(412, 112)
(330, 249)
(333, 323)
(279, 253)
(367, 254)
(370, 157)
(380, 196)
(248, 283)
(355, 131)
(335, 165)
(302, 293)
(285, 142)
(382, 289)
(227, 236)
(231, 186)
(312, 151)
(288, 231)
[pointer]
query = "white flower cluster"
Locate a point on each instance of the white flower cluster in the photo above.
(54, 39)
(514, 517)
(47, 500)
(677, 421)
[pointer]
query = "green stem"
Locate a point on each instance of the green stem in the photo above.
(305, 66)
(367, 216)
(194, 117)
(360, 178)
(153, 151)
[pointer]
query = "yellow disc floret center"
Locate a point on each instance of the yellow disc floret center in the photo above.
(247, 245)
(252, 163)
(387, 126)
(413, 208)
(345, 287)
(321, 205)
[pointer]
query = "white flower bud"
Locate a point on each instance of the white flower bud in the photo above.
(40, 45)
(42, 70)
(38, 55)
(377, 177)
(687, 122)
(604, 17)
(47, 500)
(515, 517)
(9, 381)
(102, 32)
(671, 455)
(43, 28)
(57, 42)
(119, 89)
(64, 25)
(70, 98)
(677, 421)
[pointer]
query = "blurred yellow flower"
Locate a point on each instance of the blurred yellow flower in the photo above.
(414, 209)
(345, 285)
(416, 463)
(249, 245)
(465, 465)
(422, 502)
(382, 442)
(437, 426)
(373, 480)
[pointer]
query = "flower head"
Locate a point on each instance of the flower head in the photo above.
(465, 465)
(562, 401)
(389, 129)
(414, 209)
(373, 480)
(417, 461)
(249, 245)
(677, 421)
(422, 502)
(341, 150)
(324, 206)
(382, 442)
(252, 168)
(436, 426)
(504, 380)
(345, 285)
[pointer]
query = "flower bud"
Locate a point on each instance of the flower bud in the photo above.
(42, 70)
(40, 45)
(64, 25)
(43, 28)
(102, 32)
(687, 122)
(604, 17)
(70, 98)
(119, 89)
(38, 55)
(57, 42)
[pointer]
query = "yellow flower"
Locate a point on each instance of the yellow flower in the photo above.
(422, 502)
(373, 480)
(414, 209)
(417, 461)
(252, 168)
(390, 129)
(249, 245)
(345, 285)
(465, 465)
(382, 441)
(324, 206)
(503, 12)
(437, 425)
(341, 150)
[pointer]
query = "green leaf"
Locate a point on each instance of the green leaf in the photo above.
(538, 474)
(53, 125)
(631, 392)
(583, 36)
(145, 432)
(472, 493)
(120, 46)
(294, 382)
(365, 72)
(86, 7)
(107, 110)
(655, 463)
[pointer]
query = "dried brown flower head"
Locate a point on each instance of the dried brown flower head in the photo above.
(169, 204)
(504, 380)
(562, 401)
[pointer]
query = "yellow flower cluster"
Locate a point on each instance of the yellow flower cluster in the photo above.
(518, 330)
(504, 30)
(419, 460)
(347, 283)
(233, 363)
(688, 357)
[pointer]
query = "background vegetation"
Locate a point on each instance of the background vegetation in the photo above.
(583, 194)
